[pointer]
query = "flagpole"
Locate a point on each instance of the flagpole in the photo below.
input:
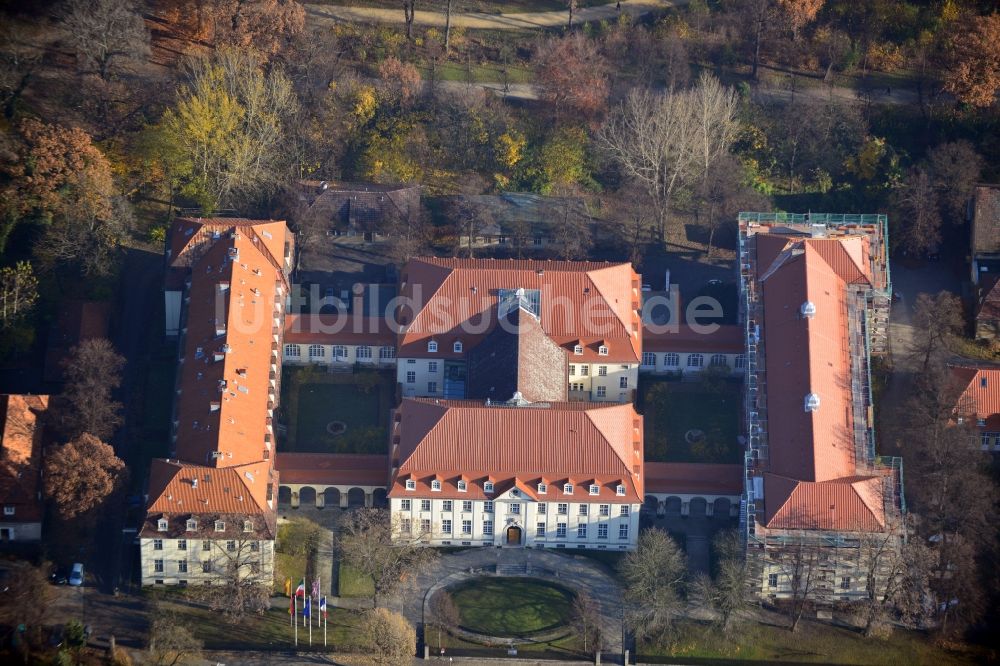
(319, 593)
(295, 602)
(310, 626)
(326, 612)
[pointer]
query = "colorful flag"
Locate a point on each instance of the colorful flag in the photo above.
(300, 591)
(288, 587)
(291, 605)
(305, 608)
(315, 589)
(322, 606)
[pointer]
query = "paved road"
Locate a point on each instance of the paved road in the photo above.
(477, 20)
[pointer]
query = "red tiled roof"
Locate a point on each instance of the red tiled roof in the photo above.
(338, 329)
(178, 487)
(989, 304)
(579, 443)
(807, 355)
(849, 504)
(694, 478)
(976, 400)
(20, 455)
(725, 339)
(344, 469)
(581, 303)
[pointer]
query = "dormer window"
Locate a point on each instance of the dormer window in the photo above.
(432, 346)
(811, 402)
(578, 350)
(488, 487)
(220, 526)
(982, 382)
(162, 524)
(192, 525)
(568, 488)
(619, 489)
(602, 351)
(457, 347)
(594, 489)
(435, 485)
(461, 486)
(411, 484)
(247, 526)
(542, 488)
(981, 423)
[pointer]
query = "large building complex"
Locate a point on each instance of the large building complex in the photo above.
(816, 292)
(211, 506)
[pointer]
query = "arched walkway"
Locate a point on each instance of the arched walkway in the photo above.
(379, 498)
(284, 495)
(722, 508)
(331, 497)
(355, 498)
(307, 496)
(651, 504)
(672, 505)
(697, 507)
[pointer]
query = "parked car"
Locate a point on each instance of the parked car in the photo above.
(76, 574)
(59, 576)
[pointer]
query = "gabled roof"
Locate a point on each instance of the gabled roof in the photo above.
(979, 395)
(986, 220)
(191, 237)
(849, 504)
(20, 455)
(725, 339)
(582, 441)
(176, 488)
(579, 301)
(694, 478)
(808, 355)
(347, 469)
(230, 357)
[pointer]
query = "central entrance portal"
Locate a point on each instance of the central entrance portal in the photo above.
(513, 536)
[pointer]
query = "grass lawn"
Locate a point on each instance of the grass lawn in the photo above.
(813, 642)
(455, 71)
(511, 606)
(353, 583)
(361, 401)
(671, 409)
(484, 6)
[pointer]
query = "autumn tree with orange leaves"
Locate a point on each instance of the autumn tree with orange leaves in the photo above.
(972, 64)
(573, 76)
(800, 13)
(81, 474)
(264, 25)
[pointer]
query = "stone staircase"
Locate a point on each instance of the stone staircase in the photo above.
(513, 562)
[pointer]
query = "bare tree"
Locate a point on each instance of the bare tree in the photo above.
(18, 292)
(446, 616)
(20, 56)
(587, 622)
(918, 216)
(171, 641)
(92, 372)
(409, 10)
(384, 550)
(654, 575)
(27, 599)
(106, 34)
(571, 231)
(799, 562)
(471, 217)
(244, 584)
(936, 320)
(728, 595)
(883, 564)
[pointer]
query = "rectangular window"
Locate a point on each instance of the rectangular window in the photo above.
(561, 530)
(541, 509)
(772, 580)
(432, 366)
(648, 359)
(466, 506)
(405, 526)
(605, 510)
(602, 531)
(572, 370)
(157, 544)
(446, 526)
(206, 566)
(584, 370)
(254, 546)
(182, 544)
(515, 508)
(231, 546)
(602, 391)
(425, 526)
(432, 387)
(581, 531)
(602, 371)
(466, 527)
(9, 510)
(623, 382)
(488, 506)
(488, 528)
(623, 531)
(425, 505)
(157, 566)
(562, 509)
(539, 529)
(411, 377)
(182, 566)
(845, 583)
(625, 509)
(446, 505)
(584, 509)
(405, 505)
(206, 545)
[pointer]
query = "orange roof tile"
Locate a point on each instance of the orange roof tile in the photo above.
(338, 329)
(725, 339)
(333, 468)
(849, 504)
(979, 396)
(694, 478)
(580, 301)
(20, 455)
(558, 441)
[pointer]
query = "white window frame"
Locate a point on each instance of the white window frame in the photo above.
(220, 526)
(696, 360)
(718, 360)
(543, 488)
(648, 360)
(293, 351)
(162, 525)
(192, 525)
(363, 351)
(436, 486)
(411, 484)
(462, 486)
(457, 347)
(578, 350)
(317, 351)
(671, 360)
(567, 488)
(602, 351)
(488, 487)
(432, 346)
(595, 489)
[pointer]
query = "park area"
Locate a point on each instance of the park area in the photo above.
(690, 422)
(511, 607)
(336, 412)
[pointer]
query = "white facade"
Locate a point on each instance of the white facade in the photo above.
(330, 354)
(602, 382)
(691, 362)
(199, 560)
(516, 520)
(421, 377)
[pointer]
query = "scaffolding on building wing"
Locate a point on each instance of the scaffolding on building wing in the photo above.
(868, 310)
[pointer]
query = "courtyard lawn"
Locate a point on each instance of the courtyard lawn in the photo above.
(511, 606)
(812, 642)
(353, 583)
(357, 402)
(673, 409)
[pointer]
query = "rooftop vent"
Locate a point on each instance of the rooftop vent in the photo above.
(194, 483)
(808, 310)
(811, 402)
